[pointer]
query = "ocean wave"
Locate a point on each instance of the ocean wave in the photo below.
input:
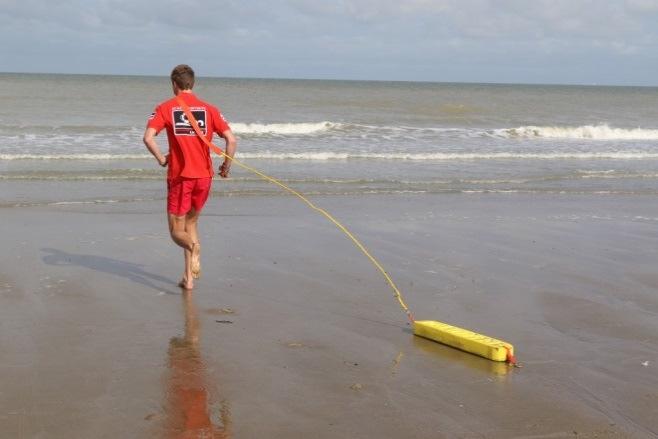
(612, 175)
(584, 132)
(328, 156)
(74, 156)
(108, 135)
(283, 128)
(439, 156)
(73, 129)
(592, 132)
(84, 177)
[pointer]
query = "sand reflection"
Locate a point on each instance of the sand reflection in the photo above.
(190, 399)
(455, 355)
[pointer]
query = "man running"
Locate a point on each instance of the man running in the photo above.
(189, 173)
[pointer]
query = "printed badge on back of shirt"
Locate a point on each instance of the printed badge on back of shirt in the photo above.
(183, 127)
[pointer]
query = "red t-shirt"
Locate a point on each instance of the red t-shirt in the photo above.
(188, 156)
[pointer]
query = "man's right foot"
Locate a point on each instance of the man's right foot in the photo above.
(186, 284)
(196, 260)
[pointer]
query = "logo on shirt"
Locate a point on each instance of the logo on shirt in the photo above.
(183, 127)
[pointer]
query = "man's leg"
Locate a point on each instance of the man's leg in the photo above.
(200, 194)
(191, 221)
(177, 230)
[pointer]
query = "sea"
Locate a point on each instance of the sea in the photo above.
(67, 139)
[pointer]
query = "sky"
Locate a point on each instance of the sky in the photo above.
(508, 41)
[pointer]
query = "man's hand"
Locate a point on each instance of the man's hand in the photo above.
(231, 144)
(149, 141)
(224, 169)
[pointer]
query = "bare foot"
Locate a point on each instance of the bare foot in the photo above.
(186, 284)
(196, 260)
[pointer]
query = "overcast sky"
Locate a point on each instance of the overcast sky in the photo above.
(517, 41)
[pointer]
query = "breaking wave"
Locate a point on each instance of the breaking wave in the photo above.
(283, 128)
(325, 156)
(74, 156)
(593, 132)
(584, 132)
(451, 156)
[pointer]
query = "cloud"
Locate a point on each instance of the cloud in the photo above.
(400, 39)
(494, 18)
(642, 6)
(386, 19)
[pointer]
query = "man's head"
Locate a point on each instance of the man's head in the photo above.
(182, 77)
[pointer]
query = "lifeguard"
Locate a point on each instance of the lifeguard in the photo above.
(190, 169)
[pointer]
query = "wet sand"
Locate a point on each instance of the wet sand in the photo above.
(292, 333)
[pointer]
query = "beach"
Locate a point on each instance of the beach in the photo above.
(524, 212)
(97, 341)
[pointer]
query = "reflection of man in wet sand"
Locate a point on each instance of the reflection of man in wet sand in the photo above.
(190, 172)
(188, 414)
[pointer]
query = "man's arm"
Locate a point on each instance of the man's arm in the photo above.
(149, 141)
(231, 146)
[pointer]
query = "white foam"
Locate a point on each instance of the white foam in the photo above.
(593, 132)
(620, 175)
(295, 155)
(283, 128)
(450, 156)
(325, 156)
(66, 203)
(73, 156)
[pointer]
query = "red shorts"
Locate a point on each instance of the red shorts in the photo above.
(185, 194)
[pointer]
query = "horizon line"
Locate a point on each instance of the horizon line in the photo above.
(271, 78)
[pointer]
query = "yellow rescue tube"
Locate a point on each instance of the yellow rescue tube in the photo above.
(469, 341)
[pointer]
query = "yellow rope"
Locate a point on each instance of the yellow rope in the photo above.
(398, 294)
(375, 262)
